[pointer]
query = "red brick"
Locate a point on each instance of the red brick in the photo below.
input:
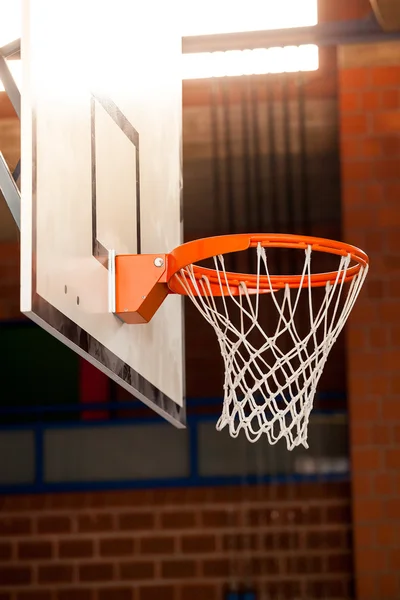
(366, 509)
(392, 193)
(264, 564)
(35, 550)
(361, 434)
(199, 592)
(370, 148)
(198, 544)
(378, 336)
(371, 560)
(55, 573)
(373, 194)
(381, 434)
(75, 548)
(386, 122)
(15, 526)
(362, 483)
(35, 595)
(354, 124)
(139, 570)
(340, 563)
(370, 100)
(353, 193)
(389, 585)
(161, 592)
(75, 594)
(385, 534)
(349, 101)
(365, 409)
(390, 99)
(178, 569)
(350, 148)
(325, 539)
(367, 459)
(5, 551)
(394, 560)
(392, 458)
(58, 524)
(217, 568)
(385, 76)
(392, 508)
(356, 171)
(375, 288)
(123, 593)
(157, 545)
(15, 576)
(387, 168)
(391, 409)
(364, 535)
(94, 523)
(116, 546)
(178, 520)
(224, 518)
(136, 521)
(96, 572)
(366, 585)
(297, 564)
(351, 79)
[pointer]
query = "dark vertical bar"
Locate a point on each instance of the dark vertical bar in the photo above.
(246, 197)
(216, 166)
(246, 154)
(290, 258)
(258, 183)
(229, 168)
(228, 157)
(288, 158)
(304, 207)
(272, 170)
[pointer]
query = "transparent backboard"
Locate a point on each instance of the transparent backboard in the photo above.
(101, 171)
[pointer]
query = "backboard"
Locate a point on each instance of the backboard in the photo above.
(101, 171)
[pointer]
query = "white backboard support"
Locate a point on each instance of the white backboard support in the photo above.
(101, 171)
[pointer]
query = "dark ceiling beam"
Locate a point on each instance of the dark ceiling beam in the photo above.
(336, 33)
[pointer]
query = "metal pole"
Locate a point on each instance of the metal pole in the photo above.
(10, 191)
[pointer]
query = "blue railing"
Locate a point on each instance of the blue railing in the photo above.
(194, 478)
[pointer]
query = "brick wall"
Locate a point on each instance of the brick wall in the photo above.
(370, 141)
(176, 544)
(9, 278)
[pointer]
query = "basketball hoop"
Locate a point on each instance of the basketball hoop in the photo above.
(270, 376)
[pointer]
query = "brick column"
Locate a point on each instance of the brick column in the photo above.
(370, 146)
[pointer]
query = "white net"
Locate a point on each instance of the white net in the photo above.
(271, 376)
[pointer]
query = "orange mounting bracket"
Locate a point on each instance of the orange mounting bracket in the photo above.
(138, 286)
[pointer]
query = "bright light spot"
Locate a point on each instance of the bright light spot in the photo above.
(10, 21)
(250, 62)
(231, 16)
(227, 16)
(213, 17)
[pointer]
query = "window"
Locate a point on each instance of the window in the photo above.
(225, 16)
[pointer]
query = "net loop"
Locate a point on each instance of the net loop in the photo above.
(271, 375)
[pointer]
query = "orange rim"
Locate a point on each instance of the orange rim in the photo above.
(192, 252)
